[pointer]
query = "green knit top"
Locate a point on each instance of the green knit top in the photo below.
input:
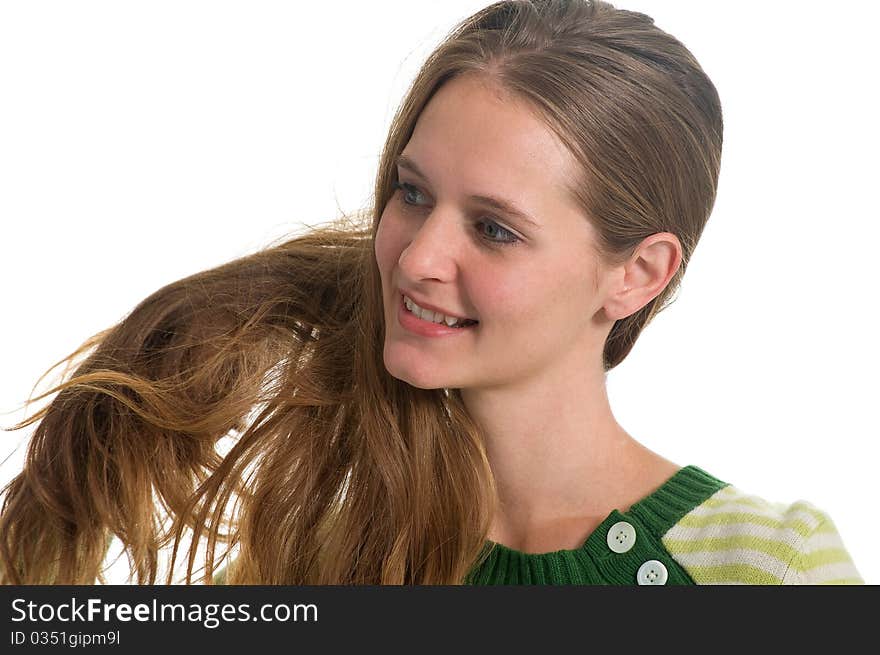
(595, 562)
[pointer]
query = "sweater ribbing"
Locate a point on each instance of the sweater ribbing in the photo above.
(594, 562)
(697, 530)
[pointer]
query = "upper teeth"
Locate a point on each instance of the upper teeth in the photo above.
(428, 315)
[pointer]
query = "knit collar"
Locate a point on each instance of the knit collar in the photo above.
(594, 562)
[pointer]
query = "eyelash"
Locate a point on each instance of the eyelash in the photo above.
(512, 241)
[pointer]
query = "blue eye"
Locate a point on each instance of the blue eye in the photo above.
(407, 189)
(511, 239)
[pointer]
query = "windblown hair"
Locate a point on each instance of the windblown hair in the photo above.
(338, 472)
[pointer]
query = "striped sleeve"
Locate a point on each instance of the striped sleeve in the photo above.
(823, 559)
(736, 538)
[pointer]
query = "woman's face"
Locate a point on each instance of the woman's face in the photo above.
(531, 285)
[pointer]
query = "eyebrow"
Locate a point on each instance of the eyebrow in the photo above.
(505, 206)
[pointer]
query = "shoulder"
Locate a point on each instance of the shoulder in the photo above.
(736, 538)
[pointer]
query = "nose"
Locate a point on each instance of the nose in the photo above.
(434, 247)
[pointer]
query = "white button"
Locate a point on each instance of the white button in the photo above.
(652, 572)
(621, 537)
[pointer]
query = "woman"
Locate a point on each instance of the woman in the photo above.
(419, 397)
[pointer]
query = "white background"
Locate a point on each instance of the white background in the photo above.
(142, 142)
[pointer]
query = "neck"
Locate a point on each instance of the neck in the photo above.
(560, 459)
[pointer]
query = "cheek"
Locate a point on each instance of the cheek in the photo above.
(506, 297)
(526, 290)
(388, 244)
(539, 296)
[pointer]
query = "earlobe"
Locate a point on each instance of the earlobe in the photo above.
(621, 305)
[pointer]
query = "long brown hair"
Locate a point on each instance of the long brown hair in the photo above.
(339, 473)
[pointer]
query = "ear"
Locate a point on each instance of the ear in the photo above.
(643, 276)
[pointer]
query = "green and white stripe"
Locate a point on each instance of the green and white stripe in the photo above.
(736, 538)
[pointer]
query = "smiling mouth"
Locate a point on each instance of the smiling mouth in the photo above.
(464, 323)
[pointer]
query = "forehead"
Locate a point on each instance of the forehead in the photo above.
(472, 130)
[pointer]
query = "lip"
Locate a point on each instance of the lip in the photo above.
(412, 323)
(424, 305)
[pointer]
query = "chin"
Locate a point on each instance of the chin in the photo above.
(412, 375)
(425, 387)
(415, 380)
